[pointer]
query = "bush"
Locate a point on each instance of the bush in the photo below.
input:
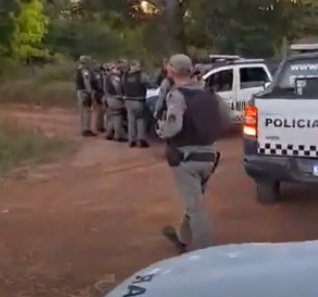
(47, 85)
(21, 146)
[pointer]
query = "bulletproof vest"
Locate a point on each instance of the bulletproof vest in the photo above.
(133, 86)
(110, 88)
(201, 120)
(97, 81)
(79, 80)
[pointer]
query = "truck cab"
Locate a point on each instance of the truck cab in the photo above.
(281, 126)
(236, 81)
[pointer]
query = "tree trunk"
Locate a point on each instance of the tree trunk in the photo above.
(173, 14)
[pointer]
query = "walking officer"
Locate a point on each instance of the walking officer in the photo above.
(98, 87)
(84, 95)
(115, 105)
(191, 126)
(135, 89)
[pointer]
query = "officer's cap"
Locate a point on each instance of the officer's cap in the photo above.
(83, 59)
(135, 64)
(181, 63)
(107, 65)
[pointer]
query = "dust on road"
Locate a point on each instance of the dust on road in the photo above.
(76, 228)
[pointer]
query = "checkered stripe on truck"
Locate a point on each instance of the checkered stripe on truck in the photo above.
(287, 150)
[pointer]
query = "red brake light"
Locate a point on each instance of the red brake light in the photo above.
(250, 121)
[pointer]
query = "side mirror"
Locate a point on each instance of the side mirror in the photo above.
(266, 85)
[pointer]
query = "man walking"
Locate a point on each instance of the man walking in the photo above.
(84, 95)
(135, 89)
(191, 126)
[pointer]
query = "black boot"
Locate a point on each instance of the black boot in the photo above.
(109, 137)
(143, 144)
(88, 133)
(132, 144)
(171, 234)
(121, 139)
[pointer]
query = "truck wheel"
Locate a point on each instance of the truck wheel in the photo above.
(267, 191)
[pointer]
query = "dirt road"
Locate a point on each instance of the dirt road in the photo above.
(76, 228)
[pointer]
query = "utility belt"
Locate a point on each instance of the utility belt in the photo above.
(175, 157)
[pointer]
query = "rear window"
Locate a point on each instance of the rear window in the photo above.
(293, 70)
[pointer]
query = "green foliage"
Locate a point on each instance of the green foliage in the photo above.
(30, 28)
(40, 31)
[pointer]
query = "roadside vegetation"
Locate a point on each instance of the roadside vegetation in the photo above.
(41, 40)
(20, 146)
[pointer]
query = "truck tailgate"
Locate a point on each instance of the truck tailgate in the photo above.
(288, 127)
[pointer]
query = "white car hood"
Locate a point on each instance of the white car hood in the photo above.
(244, 270)
(152, 92)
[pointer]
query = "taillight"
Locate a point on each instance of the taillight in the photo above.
(250, 121)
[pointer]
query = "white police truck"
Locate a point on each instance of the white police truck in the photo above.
(235, 79)
(281, 127)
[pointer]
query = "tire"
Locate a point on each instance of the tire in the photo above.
(267, 192)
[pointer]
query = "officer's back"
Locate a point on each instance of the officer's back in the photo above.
(134, 85)
(191, 125)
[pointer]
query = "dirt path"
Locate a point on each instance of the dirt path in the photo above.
(74, 229)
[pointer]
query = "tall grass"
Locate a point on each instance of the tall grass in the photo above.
(48, 85)
(22, 146)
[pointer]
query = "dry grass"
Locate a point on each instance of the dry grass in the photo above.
(48, 85)
(22, 146)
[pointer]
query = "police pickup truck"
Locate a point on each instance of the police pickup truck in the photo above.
(281, 128)
(235, 79)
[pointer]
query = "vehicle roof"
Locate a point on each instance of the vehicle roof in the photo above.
(271, 64)
(311, 55)
(255, 269)
(304, 46)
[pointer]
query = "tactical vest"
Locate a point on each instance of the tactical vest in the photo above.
(133, 86)
(79, 80)
(97, 81)
(201, 120)
(109, 86)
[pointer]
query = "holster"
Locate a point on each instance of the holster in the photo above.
(87, 100)
(173, 156)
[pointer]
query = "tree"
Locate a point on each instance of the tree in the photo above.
(30, 29)
(8, 11)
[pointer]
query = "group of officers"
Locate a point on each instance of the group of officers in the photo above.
(117, 92)
(189, 117)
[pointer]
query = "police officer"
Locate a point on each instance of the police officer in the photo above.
(191, 126)
(98, 87)
(165, 87)
(135, 90)
(115, 105)
(163, 73)
(84, 94)
(106, 73)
